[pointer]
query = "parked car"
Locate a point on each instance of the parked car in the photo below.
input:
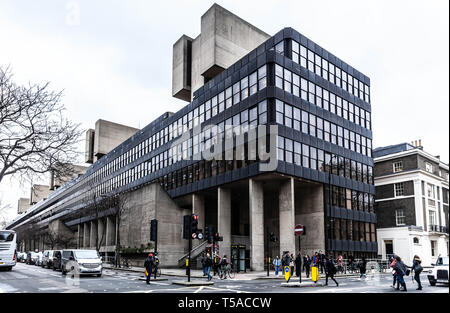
(439, 272)
(82, 262)
(21, 256)
(47, 260)
(57, 256)
(40, 256)
(32, 258)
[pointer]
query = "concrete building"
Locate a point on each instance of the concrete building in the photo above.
(106, 136)
(38, 193)
(313, 165)
(411, 203)
(23, 204)
(57, 181)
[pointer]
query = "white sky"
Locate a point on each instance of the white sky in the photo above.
(113, 59)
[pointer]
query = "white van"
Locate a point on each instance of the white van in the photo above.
(8, 254)
(83, 262)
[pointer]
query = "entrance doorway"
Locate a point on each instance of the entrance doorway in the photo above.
(389, 248)
(238, 258)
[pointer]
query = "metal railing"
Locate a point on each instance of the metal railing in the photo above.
(438, 229)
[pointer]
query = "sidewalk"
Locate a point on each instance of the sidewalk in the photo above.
(180, 272)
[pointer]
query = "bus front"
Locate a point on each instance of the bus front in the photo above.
(8, 253)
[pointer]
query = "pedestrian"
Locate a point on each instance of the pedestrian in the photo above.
(417, 268)
(216, 264)
(330, 271)
(340, 260)
(298, 265)
(362, 267)
(304, 263)
(208, 264)
(401, 269)
(321, 261)
(394, 273)
(307, 265)
(203, 264)
(315, 260)
(148, 264)
(276, 265)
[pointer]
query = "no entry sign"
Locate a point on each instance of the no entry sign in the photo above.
(299, 229)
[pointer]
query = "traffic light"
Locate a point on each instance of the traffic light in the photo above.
(194, 224)
(273, 238)
(187, 227)
(217, 237)
(153, 230)
(209, 234)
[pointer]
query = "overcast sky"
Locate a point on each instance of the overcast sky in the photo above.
(113, 59)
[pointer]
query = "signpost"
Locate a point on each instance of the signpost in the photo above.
(287, 273)
(299, 231)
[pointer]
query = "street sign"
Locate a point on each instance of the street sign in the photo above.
(287, 273)
(194, 235)
(200, 236)
(299, 229)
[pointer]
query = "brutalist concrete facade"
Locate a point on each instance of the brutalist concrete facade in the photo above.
(322, 176)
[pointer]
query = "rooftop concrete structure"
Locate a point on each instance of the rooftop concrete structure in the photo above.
(106, 136)
(57, 181)
(224, 39)
(38, 193)
(22, 205)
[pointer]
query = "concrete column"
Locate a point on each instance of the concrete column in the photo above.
(86, 235)
(101, 232)
(287, 217)
(110, 231)
(94, 233)
(256, 214)
(224, 220)
(80, 236)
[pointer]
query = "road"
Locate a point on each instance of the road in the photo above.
(33, 279)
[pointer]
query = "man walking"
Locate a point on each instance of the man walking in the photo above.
(276, 265)
(298, 265)
(208, 264)
(330, 270)
(417, 268)
(148, 264)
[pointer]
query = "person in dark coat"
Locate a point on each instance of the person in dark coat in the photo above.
(307, 265)
(321, 261)
(298, 265)
(330, 270)
(362, 267)
(148, 264)
(417, 268)
(400, 269)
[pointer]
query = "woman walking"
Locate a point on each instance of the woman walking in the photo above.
(307, 265)
(400, 269)
(362, 267)
(417, 268)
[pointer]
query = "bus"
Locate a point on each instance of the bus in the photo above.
(8, 253)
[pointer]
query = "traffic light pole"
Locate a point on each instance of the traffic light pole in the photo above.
(189, 259)
(299, 252)
(267, 254)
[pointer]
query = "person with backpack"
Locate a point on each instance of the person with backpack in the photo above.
(203, 264)
(417, 268)
(330, 271)
(298, 265)
(401, 270)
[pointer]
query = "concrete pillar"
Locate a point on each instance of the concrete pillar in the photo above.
(94, 233)
(101, 232)
(256, 214)
(80, 236)
(110, 231)
(86, 235)
(287, 217)
(224, 220)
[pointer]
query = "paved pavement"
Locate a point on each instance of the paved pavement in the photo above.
(29, 278)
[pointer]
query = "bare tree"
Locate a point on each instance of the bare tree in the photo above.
(50, 239)
(4, 220)
(35, 137)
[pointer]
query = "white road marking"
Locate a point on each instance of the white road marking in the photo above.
(199, 289)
